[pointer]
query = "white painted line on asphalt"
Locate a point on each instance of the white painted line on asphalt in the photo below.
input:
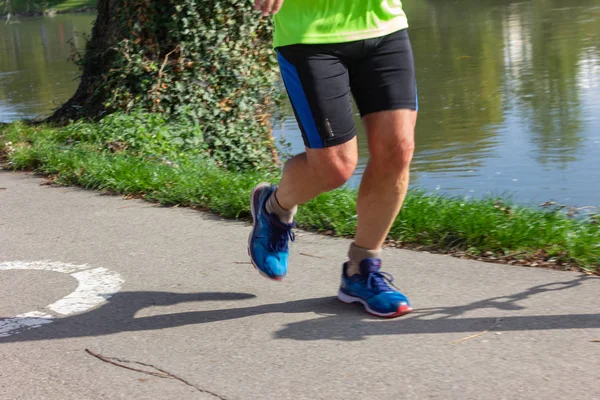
(44, 266)
(95, 286)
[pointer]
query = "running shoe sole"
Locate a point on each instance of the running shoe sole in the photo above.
(403, 309)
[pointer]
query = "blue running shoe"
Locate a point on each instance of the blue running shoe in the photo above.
(268, 242)
(372, 289)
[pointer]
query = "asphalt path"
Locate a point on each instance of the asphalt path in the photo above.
(107, 298)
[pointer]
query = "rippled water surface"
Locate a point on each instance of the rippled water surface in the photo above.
(509, 99)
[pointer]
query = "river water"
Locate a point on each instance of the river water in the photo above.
(509, 94)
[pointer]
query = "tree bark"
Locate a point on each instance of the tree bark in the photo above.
(106, 32)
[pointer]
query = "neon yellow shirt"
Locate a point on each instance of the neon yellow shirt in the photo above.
(336, 21)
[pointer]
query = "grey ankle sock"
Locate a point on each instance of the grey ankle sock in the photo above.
(273, 207)
(356, 255)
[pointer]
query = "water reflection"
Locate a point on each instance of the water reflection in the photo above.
(509, 98)
(544, 76)
(35, 74)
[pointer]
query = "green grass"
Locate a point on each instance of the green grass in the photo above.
(70, 5)
(80, 155)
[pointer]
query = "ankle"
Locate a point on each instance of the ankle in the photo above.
(273, 207)
(356, 255)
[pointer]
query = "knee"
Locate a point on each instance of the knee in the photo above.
(395, 156)
(336, 172)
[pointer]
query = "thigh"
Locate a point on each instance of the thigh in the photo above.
(391, 134)
(383, 79)
(318, 85)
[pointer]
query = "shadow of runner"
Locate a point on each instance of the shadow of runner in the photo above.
(443, 319)
(338, 321)
(334, 329)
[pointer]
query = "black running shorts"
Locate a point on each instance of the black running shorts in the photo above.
(319, 78)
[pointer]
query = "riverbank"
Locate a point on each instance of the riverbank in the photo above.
(29, 8)
(166, 164)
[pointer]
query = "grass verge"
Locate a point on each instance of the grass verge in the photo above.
(104, 156)
(71, 5)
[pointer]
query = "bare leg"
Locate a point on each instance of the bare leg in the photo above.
(385, 181)
(317, 171)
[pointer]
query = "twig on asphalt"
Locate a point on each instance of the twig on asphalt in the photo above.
(109, 360)
(478, 334)
(160, 374)
(596, 341)
(242, 262)
(310, 255)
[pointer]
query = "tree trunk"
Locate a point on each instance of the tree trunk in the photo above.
(106, 32)
(207, 61)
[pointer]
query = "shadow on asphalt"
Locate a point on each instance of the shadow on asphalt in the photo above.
(336, 321)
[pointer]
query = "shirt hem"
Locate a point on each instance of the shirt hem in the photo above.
(342, 38)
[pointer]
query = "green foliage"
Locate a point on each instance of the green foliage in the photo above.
(207, 61)
(140, 133)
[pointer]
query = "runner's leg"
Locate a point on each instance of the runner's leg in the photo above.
(385, 89)
(318, 85)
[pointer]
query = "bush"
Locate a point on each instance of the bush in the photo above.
(208, 62)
